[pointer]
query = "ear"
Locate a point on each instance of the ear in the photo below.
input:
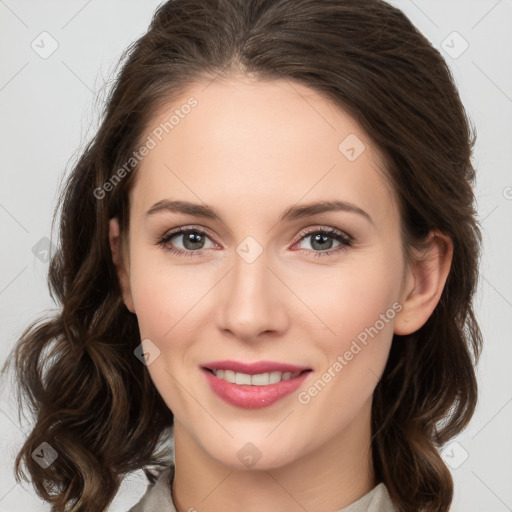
(118, 257)
(424, 283)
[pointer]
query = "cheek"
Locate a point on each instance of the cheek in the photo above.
(347, 300)
(164, 304)
(357, 305)
(163, 296)
(359, 311)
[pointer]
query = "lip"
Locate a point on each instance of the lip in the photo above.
(254, 368)
(253, 397)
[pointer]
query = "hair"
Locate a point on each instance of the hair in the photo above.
(93, 401)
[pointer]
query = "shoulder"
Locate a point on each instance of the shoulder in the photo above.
(158, 495)
(377, 500)
(381, 501)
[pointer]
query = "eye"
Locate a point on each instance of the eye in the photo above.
(322, 239)
(193, 240)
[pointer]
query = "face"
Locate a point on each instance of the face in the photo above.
(319, 290)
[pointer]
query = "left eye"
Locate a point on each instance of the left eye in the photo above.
(322, 239)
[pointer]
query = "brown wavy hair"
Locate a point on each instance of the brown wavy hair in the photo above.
(93, 401)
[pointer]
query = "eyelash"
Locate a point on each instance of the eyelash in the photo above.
(344, 239)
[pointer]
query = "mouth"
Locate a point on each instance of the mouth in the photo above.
(253, 385)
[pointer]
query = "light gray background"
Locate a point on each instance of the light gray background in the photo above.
(48, 110)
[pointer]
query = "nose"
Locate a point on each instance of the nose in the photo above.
(252, 301)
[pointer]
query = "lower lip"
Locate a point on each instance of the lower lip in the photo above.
(253, 397)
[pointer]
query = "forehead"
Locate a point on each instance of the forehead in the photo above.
(248, 142)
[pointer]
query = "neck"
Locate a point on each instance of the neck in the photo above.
(330, 477)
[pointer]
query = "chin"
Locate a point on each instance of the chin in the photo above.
(242, 453)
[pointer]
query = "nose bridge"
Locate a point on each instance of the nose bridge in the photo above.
(252, 302)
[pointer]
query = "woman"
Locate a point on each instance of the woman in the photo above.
(268, 258)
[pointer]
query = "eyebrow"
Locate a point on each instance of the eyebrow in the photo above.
(291, 213)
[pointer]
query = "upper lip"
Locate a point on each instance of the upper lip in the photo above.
(254, 368)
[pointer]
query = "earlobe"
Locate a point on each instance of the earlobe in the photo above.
(120, 264)
(424, 284)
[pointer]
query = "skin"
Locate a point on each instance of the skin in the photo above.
(251, 149)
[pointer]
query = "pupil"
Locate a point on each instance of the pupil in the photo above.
(318, 239)
(192, 240)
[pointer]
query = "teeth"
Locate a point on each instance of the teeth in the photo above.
(242, 378)
(261, 379)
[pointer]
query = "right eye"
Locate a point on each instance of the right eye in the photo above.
(191, 239)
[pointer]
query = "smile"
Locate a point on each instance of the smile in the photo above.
(253, 390)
